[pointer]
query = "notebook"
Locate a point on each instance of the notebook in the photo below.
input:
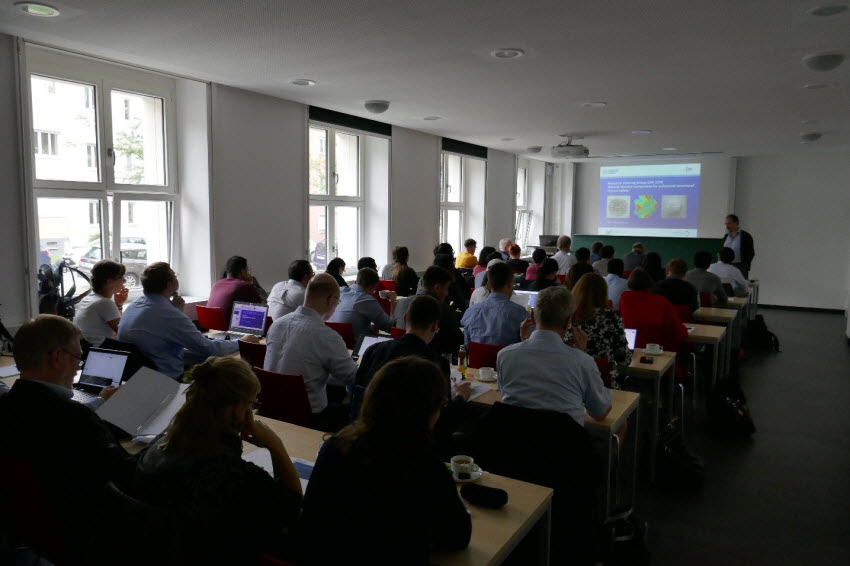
(364, 342)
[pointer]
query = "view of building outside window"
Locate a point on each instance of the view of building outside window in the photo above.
(138, 138)
(145, 238)
(318, 161)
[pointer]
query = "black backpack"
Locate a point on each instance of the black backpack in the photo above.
(758, 337)
(729, 415)
(678, 466)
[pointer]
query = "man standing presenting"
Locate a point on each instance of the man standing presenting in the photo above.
(741, 243)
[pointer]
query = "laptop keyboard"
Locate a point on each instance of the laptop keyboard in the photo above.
(81, 396)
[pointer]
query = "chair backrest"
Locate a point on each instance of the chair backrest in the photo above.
(211, 317)
(705, 298)
(684, 312)
(389, 284)
(483, 355)
(254, 354)
(604, 365)
(562, 278)
(345, 330)
(283, 396)
(397, 332)
(136, 361)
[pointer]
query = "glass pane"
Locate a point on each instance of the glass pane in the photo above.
(69, 228)
(318, 235)
(145, 238)
(318, 161)
(347, 165)
(138, 138)
(453, 178)
(520, 186)
(454, 227)
(64, 127)
(347, 235)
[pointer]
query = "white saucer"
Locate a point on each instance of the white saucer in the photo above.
(653, 353)
(473, 476)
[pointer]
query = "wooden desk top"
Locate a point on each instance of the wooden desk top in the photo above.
(705, 333)
(736, 303)
(6, 361)
(660, 364)
(494, 532)
(711, 314)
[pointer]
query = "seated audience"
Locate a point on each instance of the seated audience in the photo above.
(387, 270)
(383, 468)
(459, 290)
(70, 452)
(496, 320)
(485, 252)
(482, 292)
(595, 252)
(370, 263)
(504, 248)
(576, 272)
(466, 258)
(616, 283)
(517, 264)
(639, 306)
(196, 470)
(287, 296)
(300, 343)
(336, 267)
(601, 266)
(537, 257)
(238, 285)
(99, 313)
(728, 273)
(704, 281)
(547, 275)
(435, 283)
(543, 372)
(405, 277)
(359, 308)
(652, 265)
(606, 335)
(675, 288)
(582, 255)
(156, 324)
(634, 258)
(563, 256)
(493, 258)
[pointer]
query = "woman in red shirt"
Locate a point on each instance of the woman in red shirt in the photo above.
(639, 306)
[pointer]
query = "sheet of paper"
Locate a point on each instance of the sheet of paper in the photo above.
(304, 469)
(135, 401)
(690, 329)
(9, 371)
(261, 457)
(478, 389)
(159, 421)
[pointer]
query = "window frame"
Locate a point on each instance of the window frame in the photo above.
(446, 205)
(522, 214)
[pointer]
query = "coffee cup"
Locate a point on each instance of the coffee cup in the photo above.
(653, 349)
(384, 294)
(486, 373)
(463, 467)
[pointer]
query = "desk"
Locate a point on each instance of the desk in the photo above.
(725, 317)
(712, 336)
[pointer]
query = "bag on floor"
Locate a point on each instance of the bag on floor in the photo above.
(678, 466)
(758, 337)
(728, 413)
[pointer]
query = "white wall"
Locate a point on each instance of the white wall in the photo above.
(474, 186)
(536, 198)
(415, 194)
(376, 178)
(16, 282)
(501, 197)
(259, 169)
(559, 218)
(797, 209)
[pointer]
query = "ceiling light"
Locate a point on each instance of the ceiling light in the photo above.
(377, 106)
(641, 132)
(828, 10)
(818, 86)
(823, 61)
(304, 82)
(430, 118)
(37, 9)
(599, 104)
(507, 139)
(670, 148)
(810, 137)
(507, 53)
(534, 149)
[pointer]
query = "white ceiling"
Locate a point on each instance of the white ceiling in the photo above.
(703, 75)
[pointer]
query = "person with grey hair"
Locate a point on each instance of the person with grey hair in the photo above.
(504, 248)
(563, 256)
(542, 372)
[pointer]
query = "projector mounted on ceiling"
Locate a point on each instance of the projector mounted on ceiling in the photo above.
(567, 150)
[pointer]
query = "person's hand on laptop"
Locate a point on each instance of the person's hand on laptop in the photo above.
(250, 338)
(107, 392)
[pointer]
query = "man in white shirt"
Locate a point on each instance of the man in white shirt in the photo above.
(616, 283)
(300, 343)
(287, 296)
(563, 256)
(601, 266)
(728, 273)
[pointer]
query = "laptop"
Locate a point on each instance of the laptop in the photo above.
(548, 241)
(525, 298)
(247, 319)
(102, 369)
(364, 342)
(631, 336)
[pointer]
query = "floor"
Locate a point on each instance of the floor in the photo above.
(782, 496)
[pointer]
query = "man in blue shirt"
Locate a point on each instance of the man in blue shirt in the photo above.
(156, 324)
(542, 372)
(495, 320)
(359, 308)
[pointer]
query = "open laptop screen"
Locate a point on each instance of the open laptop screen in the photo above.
(249, 318)
(104, 367)
(631, 335)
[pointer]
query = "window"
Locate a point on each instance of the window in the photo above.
(131, 209)
(46, 143)
(91, 156)
(336, 197)
(89, 98)
(139, 141)
(126, 108)
(451, 200)
(523, 214)
(145, 236)
(51, 87)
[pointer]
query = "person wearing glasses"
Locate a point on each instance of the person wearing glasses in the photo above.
(237, 285)
(157, 325)
(62, 447)
(196, 471)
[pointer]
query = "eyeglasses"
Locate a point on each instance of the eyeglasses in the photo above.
(80, 361)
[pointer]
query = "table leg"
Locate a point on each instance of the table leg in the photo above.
(656, 397)
(715, 350)
(545, 535)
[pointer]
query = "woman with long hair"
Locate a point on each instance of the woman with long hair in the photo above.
(405, 278)
(547, 275)
(652, 265)
(482, 259)
(577, 271)
(380, 478)
(336, 267)
(606, 336)
(196, 469)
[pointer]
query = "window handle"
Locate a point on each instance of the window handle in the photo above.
(111, 153)
(336, 178)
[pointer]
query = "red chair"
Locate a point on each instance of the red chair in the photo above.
(562, 278)
(212, 318)
(389, 284)
(254, 354)
(283, 396)
(684, 312)
(626, 274)
(705, 298)
(397, 332)
(483, 355)
(385, 304)
(345, 330)
(604, 365)
(269, 322)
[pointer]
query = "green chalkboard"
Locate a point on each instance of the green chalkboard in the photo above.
(669, 248)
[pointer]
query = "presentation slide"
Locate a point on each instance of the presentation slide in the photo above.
(649, 200)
